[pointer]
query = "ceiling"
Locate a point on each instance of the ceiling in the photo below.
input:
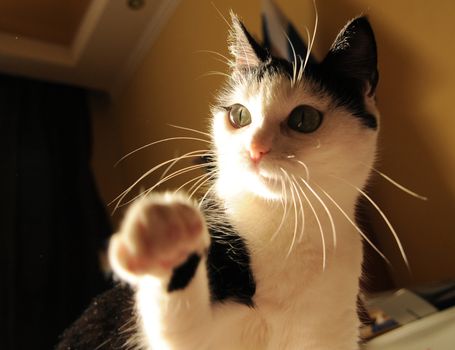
(92, 43)
(51, 21)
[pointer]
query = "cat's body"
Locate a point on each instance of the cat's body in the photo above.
(272, 259)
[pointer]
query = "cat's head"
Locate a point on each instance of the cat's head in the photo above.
(278, 122)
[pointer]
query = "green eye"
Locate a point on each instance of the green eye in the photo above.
(305, 119)
(239, 116)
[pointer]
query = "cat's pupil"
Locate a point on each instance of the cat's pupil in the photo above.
(305, 119)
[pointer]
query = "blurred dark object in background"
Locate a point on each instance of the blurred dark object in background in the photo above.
(53, 223)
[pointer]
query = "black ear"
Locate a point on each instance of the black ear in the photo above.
(353, 55)
(246, 51)
(280, 37)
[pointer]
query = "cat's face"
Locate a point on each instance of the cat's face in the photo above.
(274, 128)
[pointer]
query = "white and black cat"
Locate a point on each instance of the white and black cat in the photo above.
(272, 258)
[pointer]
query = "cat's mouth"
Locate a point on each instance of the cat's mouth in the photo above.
(266, 175)
(263, 173)
(269, 179)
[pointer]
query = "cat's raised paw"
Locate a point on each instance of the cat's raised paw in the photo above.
(158, 234)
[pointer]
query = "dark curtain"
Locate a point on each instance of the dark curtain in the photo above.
(53, 224)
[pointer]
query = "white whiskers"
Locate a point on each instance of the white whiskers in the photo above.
(160, 141)
(206, 194)
(284, 204)
(307, 172)
(170, 163)
(197, 180)
(148, 172)
(384, 217)
(332, 223)
(192, 130)
(167, 178)
(214, 73)
(321, 230)
(302, 213)
(294, 204)
(209, 176)
(363, 235)
(311, 42)
(399, 186)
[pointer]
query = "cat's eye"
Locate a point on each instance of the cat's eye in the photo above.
(305, 119)
(239, 116)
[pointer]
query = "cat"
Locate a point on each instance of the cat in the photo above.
(271, 257)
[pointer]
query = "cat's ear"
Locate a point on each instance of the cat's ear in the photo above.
(245, 50)
(353, 55)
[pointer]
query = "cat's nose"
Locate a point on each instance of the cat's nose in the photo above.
(258, 151)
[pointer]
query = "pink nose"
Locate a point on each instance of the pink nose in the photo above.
(257, 151)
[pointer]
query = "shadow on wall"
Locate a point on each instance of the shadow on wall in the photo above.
(425, 227)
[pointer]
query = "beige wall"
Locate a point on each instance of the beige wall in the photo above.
(416, 97)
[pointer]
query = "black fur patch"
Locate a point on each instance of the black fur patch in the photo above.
(183, 274)
(228, 265)
(347, 93)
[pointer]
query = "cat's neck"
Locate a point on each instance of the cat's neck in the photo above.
(296, 253)
(261, 221)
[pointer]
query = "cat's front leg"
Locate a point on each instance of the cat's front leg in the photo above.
(160, 250)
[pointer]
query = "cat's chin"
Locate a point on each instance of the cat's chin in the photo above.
(265, 185)
(260, 184)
